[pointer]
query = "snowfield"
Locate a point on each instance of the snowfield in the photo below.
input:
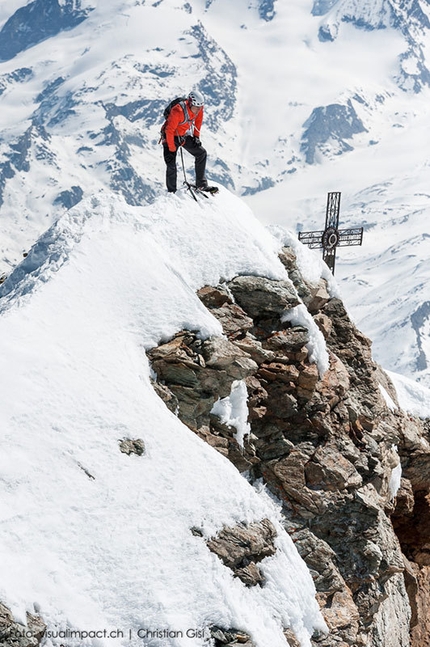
(94, 539)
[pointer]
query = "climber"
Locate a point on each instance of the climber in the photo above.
(184, 118)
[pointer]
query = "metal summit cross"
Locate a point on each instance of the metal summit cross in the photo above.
(332, 237)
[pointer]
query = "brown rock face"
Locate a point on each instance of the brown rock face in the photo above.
(324, 444)
(242, 547)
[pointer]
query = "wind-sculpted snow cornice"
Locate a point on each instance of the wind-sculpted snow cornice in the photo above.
(36, 22)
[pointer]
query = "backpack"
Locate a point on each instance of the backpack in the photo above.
(175, 102)
(166, 113)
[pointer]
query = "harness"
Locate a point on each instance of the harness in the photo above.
(187, 120)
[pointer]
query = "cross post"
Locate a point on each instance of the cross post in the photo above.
(332, 237)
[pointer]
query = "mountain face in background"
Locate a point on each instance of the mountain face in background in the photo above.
(37, 21)
(302, 99)
(410, 18)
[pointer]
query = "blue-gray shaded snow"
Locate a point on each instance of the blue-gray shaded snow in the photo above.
(37, 21)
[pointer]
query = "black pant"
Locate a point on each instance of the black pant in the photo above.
(199, 154)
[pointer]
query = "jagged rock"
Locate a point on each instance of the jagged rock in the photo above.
(277, 447)
(313, 296)
(289, 473)
(170, 400)
(318, 297)
(324, 324)
(414, 437)
(261, 297)
(229, 637)
(291, 638)
(323, 445)
(214, 440)
(334, 596)
(255, 349)
(329, 470)
(308, 378)
(289, 261)
(214, 297)
(243, 457)
(404, 500)
(281, 404)
(221, 354)
(394, 611)
(288, 340)
(420, 622)
(14, 634)
(129, 446)
(351, 347)
(233, 319)
(243, 546)
(414, 450)
(335, 382)
(256, 398)
(279, 371)
(194, 375)
(341, 615)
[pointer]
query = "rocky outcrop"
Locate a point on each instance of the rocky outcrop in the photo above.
(411, 520)
(129, 446)
(37, 21)
(324, 440)
(241, 548)
(329, 130)
(229, 637)
(14, 634)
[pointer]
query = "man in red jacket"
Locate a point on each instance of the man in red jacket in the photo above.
(182, 128)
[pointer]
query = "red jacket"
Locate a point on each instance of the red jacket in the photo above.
(178, 124)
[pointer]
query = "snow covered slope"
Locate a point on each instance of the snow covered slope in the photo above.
(93, 539)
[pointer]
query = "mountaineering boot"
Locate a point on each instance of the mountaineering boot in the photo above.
(208, 189)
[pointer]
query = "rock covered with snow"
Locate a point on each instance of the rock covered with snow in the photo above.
(18, 634)
(328, 129)
(329, 443)
(108, 501)
(241, 548)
